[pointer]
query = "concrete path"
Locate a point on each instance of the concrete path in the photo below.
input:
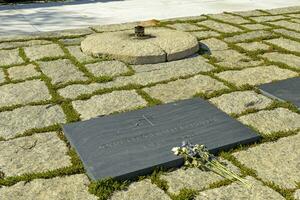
(28, 18)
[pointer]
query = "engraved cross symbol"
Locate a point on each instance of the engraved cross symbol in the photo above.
(146, 119)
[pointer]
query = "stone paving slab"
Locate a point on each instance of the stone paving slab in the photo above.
(108, 103)
(275, 161)
(286, 24)
(23, 93)
(287, 44)
(213, 44)
(270, 121)
(69, 187)
(253, 46)
(237, 191)
(268, 18)
(33, 154)
(186, 27)
(288, 59)
(10, 57)
(25, 118)
(184, 88)
(238, 102)
(285, 10)
(43, 51)
(256, 75)
(107, 68)
(22, 72)
(79, 55)
(11, 45)
(297, 194)
(220, 27)
(254, 27)
(2, 76)
(205, 34)
(229, 18)
(249, 36)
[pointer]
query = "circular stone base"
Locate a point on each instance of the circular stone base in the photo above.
(160, 45)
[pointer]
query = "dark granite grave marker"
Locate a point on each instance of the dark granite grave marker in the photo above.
(131, 144)
(285, 90)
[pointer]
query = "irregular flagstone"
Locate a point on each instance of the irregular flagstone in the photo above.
(43, 51)
(11, 45)
(236, 64)
(250, 13)
(107, 68)
(186, 63)
(268, 18)
(75, 90)
(72, 41)
(165, 71)
(22, 72)
(238, 102)
(221, 27)
(73, 187)
(186, 27)
(105, 104)
(276, 162)
(296, 20)
(141, 190)
(285, 10)
(23, 93)
(115, 27)
(297, 195)
(269, 121)
(10, 57)
(79, 55)
(288, 59)
(285, 44)
(294, 15)
(62, 71)
(205, 34)
(261, 34)
(33, 154)
(229, 18)
(288, 33)
(254, 27)
(287, 24)
(213, 44)
(253, 46)
(21, 119)
(256, 75)
(2, 76)
(194, 178)
(184, 88)
(238, 191)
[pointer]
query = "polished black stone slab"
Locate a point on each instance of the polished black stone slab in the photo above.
(131, 144)
(285, 90)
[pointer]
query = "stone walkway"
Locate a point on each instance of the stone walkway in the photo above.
(46, 80)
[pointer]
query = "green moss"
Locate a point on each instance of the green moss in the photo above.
(220, 183)
(155, 179)
(185, 194)
(151, 101)
(71, 114)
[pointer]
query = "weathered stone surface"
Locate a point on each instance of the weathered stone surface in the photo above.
(294, 15)
(287, 24)
(75, 90)
(254, 27)
(187, 63)
(33, 154)
(10, 57)
(297, 195)
(275, 161)
(141, 190)
(2, 76)
(184, 88)
(72, 41)
(256, 75)
(238, 102)
(221, 27)
(186, 27)
(288, 59)
(296, 20)
(79, 55)
(22, 72)
(23, 93)
(43, 51)
(269, 121)
(287, 33)
(164, 45)
(115, 27)
(194, 178)
(21, 119)
(205, 34)
(108, 103)
(250, 13)
(249, 36)
(238, 191)
(284, 10)
(229, 18)
(268, 18)
(73, 187)
(61, 71)
(183, 19)
(10, 45)
(253, 46)
(285, 44)
(165, 71)
(213, 44)
(107, 68)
